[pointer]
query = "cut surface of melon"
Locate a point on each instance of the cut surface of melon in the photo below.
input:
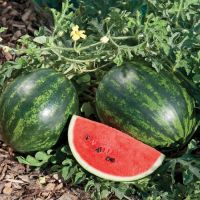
(109, 153)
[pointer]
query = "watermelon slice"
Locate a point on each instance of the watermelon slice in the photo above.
(109, 153)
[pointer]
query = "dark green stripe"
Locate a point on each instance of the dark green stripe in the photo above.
(138, 121)
(27, 131)
(145, 109)
(14, 97)
(146, 90)
(24, 104)
(30, 118)
(168, 91)
(164, 84)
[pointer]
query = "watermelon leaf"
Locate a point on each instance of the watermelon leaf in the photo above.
(55, 168)
(2, 29)
(40, 155)
(79, 178)
(65, 172)
(187, 177)
(40, 39)
(68, 172)
(33, 161)
(68, 162)
(85, 78)
(89, 185)
(65, 150)
(87, 109)
(105, 193)
(22, 160)
(191, 168)
(120, 190)
(53, 159)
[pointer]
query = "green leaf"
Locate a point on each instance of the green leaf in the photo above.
(79, 177)
(188, 177)
(40, 39)
(30, 160)
(118, 60)
(191, 146)
(195, 171)
(85, 78)
(65, 172)
(105, 193)
(67, 162)
(55, 168)
(2, 29)
(53, 159)
(42, 156)
(33, 161)
(87, 109)
(120, 190)
(65, 149)
(90, 184)
(49, 151)
(22, 160)
(196, 78)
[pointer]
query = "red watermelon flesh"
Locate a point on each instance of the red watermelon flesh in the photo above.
(109, 153)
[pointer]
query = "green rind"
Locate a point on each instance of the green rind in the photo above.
(35, 108)
(150, 106)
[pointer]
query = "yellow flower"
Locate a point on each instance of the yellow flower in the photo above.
(6, 49)
(77, 34)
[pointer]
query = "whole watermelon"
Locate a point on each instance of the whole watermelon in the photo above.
(152, 107)
(34, 109)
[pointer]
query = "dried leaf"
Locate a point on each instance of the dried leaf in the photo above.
(7, 189)
(50, 186)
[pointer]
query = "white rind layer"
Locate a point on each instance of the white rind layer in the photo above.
(101, 174)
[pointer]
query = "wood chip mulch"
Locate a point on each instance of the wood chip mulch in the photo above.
(19, 182)
(20, 18)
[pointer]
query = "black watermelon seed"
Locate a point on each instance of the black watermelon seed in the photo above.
(87, 137)
(99, 149)
(110, 159)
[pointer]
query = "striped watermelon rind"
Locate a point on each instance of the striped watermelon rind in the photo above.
(152, 107)
(34, 109)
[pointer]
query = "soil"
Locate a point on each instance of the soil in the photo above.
(17, 181)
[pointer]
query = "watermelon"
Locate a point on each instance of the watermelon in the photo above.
(109, 153)
(152, 107)
(34, 109)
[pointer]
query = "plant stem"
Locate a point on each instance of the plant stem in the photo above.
(91, 45)
(72, 49)
(113, 42)
(179, 11)
(78, 61)
(92, 70)
(72, 60)
(123, 46)
(124, 37)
